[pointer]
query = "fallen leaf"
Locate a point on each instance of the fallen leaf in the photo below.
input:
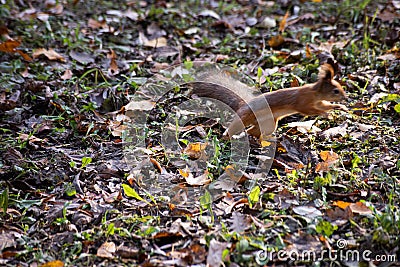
(185, 173)
(335, 131)
(67, 75)
(365, 127)
(209, 13)
(376, 97)
(308, 51)
(215, 250)
(341, 204)
(282, 24)
(130, 14)
(95, 24)
(157, 42)
(83, 58)
(9, 46)
(30, 138)
(106, 250)
(305, 126)
(195, 150)
(239, 222)
(56, 263)
(7, 240)
(339, 216)
(113, 69)
(195, 181)
(276, 41)
(140, 105)
(130, 192)
(50, 54)
(307, 211)
(329, 156)
(360, 208)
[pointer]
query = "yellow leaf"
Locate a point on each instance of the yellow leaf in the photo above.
(341, 204)
(56, 263)
(185, 173)
(265, 143)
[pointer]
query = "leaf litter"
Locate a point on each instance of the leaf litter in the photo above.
(68, 70)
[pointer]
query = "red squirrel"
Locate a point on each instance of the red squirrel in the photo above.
(309, 99)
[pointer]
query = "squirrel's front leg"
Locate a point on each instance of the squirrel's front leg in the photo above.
(325, 106)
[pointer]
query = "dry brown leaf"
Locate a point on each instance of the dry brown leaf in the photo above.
(31, 138)
(157, 165)
(276, 41)
(234, 174)
(329, 156)
(95, 24)
(117, 129)
(305, 126)
(195, 181)
(197, 146)
(195, 150)
(282, 24)
(57, 9)
(340, 216)
(294, 82)
(67, 75)
(106, 250)
(82, 57)
(10, 46)
(360, 208)
(113, 69)
(308, 51)
(50, 54)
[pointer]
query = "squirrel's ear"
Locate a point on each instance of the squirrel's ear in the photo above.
(326, 72)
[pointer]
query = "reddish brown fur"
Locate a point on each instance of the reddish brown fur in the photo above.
(309, 99)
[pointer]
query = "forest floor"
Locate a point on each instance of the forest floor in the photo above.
(83, 183)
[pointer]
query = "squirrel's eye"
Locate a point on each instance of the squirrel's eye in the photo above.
(336, 91)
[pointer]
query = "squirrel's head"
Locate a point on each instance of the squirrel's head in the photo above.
(328, 88)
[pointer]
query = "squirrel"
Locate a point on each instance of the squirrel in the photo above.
(309, 99)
